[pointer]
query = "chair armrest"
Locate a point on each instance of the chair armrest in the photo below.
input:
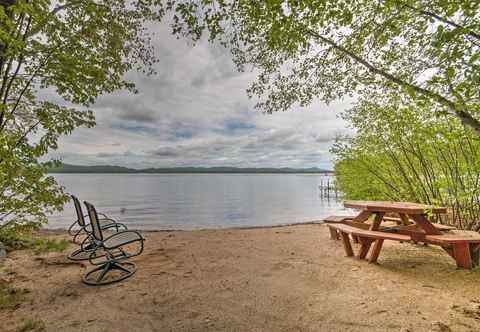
(114, 224)
(78, 233)
(70, 229)
(100, 214)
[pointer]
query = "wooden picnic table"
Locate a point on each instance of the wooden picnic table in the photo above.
(463, 246)
(416, 212)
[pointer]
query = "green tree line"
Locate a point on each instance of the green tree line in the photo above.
(398, 153)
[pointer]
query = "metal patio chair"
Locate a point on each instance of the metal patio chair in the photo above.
(115, 250)
(86, 229)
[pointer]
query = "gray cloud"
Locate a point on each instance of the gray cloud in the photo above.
(195, 112)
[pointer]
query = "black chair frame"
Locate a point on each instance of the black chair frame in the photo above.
(87, 244)
(112, 256)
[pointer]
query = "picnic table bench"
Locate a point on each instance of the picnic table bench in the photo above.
(366, 238)
(413, 225)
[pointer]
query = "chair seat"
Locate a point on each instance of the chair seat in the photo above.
(120, 239)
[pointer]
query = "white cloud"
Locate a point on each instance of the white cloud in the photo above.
(195, 112)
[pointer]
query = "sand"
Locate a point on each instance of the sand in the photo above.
(274, 279)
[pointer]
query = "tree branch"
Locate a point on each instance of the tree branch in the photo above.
(17, 70)
(441, 19)
(466, 118)
(55, 11)
(20, 96)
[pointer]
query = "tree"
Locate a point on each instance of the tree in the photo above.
(306, 49)
(56, 58)
(400, 153)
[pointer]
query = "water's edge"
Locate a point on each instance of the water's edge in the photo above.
(314, 222)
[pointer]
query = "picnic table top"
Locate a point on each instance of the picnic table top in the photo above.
(399, 207)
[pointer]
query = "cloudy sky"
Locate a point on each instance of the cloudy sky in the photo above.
(195, 112)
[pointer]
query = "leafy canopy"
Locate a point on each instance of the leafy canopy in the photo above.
(56, 58)
(427, 50)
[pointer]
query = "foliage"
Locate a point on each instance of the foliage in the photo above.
(22, 236)
(56, 58)
(31, 325)
(428, 51)
(399, 153)
(9, 297)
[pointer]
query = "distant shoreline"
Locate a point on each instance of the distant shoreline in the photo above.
(108, 169)
(190, 173)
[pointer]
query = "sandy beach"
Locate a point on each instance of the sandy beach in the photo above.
(291, 278)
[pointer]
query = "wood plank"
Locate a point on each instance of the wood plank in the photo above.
(355, 239)
(398, 207)
(333, 233)
(410, 223)
(365, 244)
(377, 247)
(475, 253)
(443, 227)
(404, 218)
(362, 216)
(377, 221)
(417, 235)
(370, 234)
(346, 244)
(425, 224)
(398, 221)
(360, 225)
(461, 252)
(454, 236)
(337, 219)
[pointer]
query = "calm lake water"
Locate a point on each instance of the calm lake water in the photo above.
(196, 201)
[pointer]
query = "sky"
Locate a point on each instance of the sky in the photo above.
(195, 112)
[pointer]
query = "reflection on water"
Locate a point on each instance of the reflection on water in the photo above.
(193, 201)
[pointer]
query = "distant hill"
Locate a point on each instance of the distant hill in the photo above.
(66, 168)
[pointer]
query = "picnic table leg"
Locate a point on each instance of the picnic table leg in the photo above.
(376, 222)
(346, 244)
(364, 247)
(333, 234)
(461, 251)
(377, 247)
(475, 253)
(404, 219)
(425, 224)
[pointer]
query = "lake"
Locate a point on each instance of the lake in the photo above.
(197, 201)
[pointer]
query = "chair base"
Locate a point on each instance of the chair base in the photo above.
(77, 254)
(99, 273)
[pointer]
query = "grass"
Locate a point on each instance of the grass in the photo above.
(31, 325)
(41, 245)
(17, 240)
(10, 297)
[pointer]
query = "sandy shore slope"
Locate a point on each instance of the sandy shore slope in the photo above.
(276, 279)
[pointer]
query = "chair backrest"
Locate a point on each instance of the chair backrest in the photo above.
(78, 209)
(93, 216)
